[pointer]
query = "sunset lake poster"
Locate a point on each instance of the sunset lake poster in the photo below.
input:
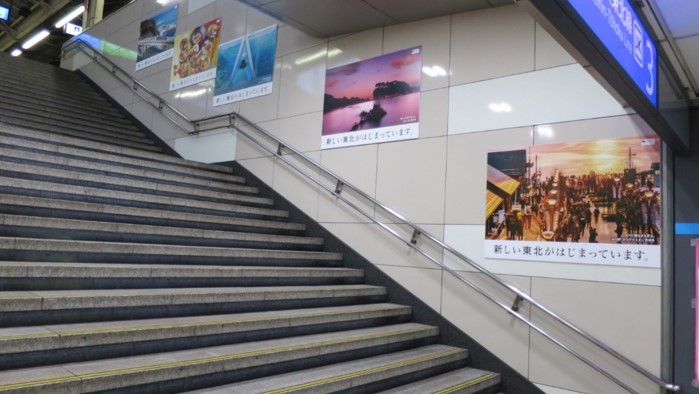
(583, 202)
(373, 101)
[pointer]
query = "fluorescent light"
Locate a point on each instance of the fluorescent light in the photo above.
(16, 52)
(162, 2)
(72, 15)
(36, 38)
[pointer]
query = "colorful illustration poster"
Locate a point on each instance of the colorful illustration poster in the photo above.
(587, 202)
(373, 101)
(157, 38)
(246, 67)
(195, 55)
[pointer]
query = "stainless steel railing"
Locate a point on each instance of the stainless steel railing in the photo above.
(278, 149)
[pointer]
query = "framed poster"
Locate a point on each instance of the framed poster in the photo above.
(583, 202)
(373, 101)
(157, 38)
(245, 67)
(195, 55)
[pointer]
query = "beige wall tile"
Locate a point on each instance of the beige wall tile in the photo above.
(433, 36)
(434, 113)
(492, 327)
(548, 52)
(491, 43)
(411, 177)
(354, 47)
(302, 81)
(296, 188)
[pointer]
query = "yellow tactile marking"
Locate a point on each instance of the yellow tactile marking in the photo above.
(206, 360)
(465, 384)
(190, 324)
(363, 372)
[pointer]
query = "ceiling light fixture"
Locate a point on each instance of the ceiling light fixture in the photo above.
(72, 15)
(16, 52)
(35, 39)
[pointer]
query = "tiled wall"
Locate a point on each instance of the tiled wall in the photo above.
(437, 180)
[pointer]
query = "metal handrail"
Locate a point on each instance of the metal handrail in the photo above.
(417, 230)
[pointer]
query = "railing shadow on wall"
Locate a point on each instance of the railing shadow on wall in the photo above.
(509, 298)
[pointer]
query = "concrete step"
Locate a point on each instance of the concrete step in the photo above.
(75, 112)
(56, 102)
(26, 205)
(62, 142)
(19, 69)
(81, 130)
(42, 86)
(25, 275)
(196, 171)
(9, 119)
(32, 188)
(38, 158)
(191, 369)
(35, 249)
(357, 376)
(88, 230)
(70, 120)
(244, 194)
(461, 381)
(41, 307)
(53, 344)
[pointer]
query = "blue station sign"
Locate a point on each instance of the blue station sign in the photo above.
(4, 12)
(617, 26)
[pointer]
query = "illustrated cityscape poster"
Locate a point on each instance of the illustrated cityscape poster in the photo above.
(588, 202)
(157, 38)
(245, 67)
(373, 101)
(195, 55)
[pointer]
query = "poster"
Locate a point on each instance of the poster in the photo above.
(157, 38)
(373, 101)
(195, 55)
(246, 67)
(583, 202)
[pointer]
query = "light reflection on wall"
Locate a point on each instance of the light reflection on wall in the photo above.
(108, 48)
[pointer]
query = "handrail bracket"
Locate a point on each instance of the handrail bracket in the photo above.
(517, 302)
(416, 235)
(338, 187)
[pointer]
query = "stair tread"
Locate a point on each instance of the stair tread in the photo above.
(77, 206)
(148, 230)
(351, 374)
(118, 160)
(42, 300)
(150, 185)
(464, 380)
(19, 244)
(109, 148)
(125, 196)
(143, 173)
(61, 336)
(120, 372)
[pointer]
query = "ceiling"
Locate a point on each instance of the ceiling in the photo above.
(675, 22)
(29, 16)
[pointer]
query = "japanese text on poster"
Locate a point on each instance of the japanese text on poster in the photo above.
(372, 101)
(586, 202)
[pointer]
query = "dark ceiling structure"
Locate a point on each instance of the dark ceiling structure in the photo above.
(29, 16)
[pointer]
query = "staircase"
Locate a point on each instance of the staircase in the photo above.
(126, 269)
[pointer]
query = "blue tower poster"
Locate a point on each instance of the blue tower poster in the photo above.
(245, 67)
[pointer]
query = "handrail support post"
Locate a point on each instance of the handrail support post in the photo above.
(338, 187)
(517, 303)
(279, 149)
(416, 235)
